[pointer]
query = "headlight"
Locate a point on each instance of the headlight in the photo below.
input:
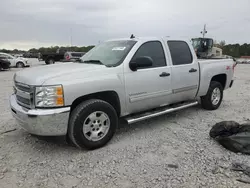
(49, 96)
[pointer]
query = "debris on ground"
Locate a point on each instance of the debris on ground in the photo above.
(241, 167)
(244, 180)
(8, 131)
(173, 166)
(232, 136)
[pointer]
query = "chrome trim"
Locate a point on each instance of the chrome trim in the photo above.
(179, 90)
(23, 87)
(45, 112)
(26, 92)
(43, 122)
(144, 96)
(131, 120)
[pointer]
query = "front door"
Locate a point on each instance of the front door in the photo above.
(185, 71)
(150, 87)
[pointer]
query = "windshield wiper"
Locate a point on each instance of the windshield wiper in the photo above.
(93, 61)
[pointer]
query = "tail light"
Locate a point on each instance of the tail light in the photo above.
(234, 66)
(67, 57)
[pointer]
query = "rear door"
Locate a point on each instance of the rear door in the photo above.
(148, 87)
(185, 71)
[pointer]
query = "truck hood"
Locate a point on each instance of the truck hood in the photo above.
(38, 75)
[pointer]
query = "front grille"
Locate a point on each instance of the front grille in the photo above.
(23, 100)
(24, 95)
(23, 88)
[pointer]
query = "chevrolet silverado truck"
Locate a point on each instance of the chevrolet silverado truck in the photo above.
(131, 79)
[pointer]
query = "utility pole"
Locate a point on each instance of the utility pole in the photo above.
(204, 32)
(70, 39)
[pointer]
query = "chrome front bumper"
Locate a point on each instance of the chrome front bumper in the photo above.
(43, 122)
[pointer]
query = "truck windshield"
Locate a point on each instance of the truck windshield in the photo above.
(196, 43)
(110, 53)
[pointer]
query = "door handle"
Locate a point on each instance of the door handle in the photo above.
(192, 70)
(164, 74)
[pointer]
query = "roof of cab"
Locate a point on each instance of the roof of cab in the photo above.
(152, 38)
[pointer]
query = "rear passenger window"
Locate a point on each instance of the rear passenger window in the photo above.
(154, 50)
(180, 52)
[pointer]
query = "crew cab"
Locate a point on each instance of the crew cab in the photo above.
(132, 79)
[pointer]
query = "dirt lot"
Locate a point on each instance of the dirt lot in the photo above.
(138, 155)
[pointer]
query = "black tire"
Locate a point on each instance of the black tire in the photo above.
(206, 101)
(19, 65)
(50, 61)
(80, 115)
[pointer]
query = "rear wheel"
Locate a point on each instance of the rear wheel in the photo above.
(50, 61)
(214, 96)
(92, 124)
(20, 65)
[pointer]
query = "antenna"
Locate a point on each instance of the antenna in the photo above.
(204, 32)
(132, 36)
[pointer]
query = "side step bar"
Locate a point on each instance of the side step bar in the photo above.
(147, 115)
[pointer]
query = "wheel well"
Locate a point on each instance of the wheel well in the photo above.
(110, 97)
(221, 78)
(19, 62)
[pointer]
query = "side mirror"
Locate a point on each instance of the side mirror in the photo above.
(141, 62)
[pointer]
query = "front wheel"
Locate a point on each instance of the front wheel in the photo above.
(20, 65)
(214, 96)
(92, 124)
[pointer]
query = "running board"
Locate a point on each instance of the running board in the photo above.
(166, 110)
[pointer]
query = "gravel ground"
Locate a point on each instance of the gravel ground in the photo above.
(137, 156)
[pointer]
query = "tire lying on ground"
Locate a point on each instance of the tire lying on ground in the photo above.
(232, 136)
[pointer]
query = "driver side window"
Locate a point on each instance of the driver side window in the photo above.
(154, 50)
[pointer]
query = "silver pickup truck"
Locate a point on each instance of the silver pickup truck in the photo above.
(133, 79)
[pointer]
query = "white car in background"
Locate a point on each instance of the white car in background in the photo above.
(18, 62)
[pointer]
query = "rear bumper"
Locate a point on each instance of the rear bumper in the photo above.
(43, 122)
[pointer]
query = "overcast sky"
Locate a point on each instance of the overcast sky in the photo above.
(35, 23)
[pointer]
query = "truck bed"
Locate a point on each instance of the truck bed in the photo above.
(210, 67)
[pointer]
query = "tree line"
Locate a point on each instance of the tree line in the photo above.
(52, 49)
(234, 50)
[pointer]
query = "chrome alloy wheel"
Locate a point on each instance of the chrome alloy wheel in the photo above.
(96, 126)
(216, 96)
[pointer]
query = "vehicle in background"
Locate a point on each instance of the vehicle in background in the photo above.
(73, 56)
(18, 62)
(31, 55)
(204, 48)
(17, 55)
(133, 78)
(51, 58)
(4, 64)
